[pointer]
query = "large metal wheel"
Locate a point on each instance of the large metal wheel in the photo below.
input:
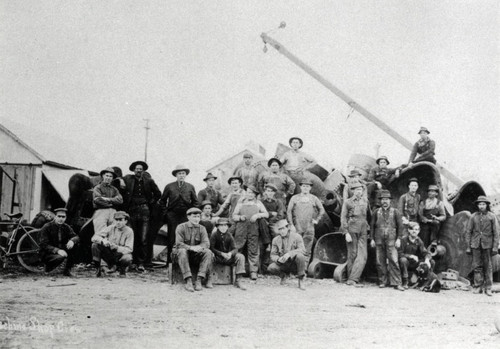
(340, 273)
(28, 251)
(315, 269)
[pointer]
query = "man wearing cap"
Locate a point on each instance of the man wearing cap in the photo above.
(114, 244)
(140, 194)
(247, 171)
(385, 231)
(105, 198)
(192, 247)
(354, 177)
(177, 198)
(246, 213)
(285, 186)
(224, 249)
(288, 254)
(432, 213)
(423, 149)
(408, 203)
(412, 252)
(354, 225)
(379, 178)
(207, 219)
(304, 212)
(482, 239)
(57, 241)
(233, 197)
(210, 193)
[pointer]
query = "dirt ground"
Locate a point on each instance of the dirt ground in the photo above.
(145, 310)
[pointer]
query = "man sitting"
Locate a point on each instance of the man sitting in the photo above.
(225, 251)
(192, 248)
(411, 252)
(57, 240)
(114, 244)
(288, 254)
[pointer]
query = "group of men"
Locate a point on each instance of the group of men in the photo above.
(262, 220)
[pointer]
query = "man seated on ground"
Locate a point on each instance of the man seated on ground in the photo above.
(114, 244)
(57, 240)
(288, 254)
(225, 251)
(412, 252)
(192, 248)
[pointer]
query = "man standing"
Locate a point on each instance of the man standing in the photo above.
(481, 237)
(247, 172)
(385, 229)
(288, 254)
(192, 248)
(432, 213)
(423, 149)
(225, 251)
(210, 193)
(114, 244)
(409, 203)
(57, 240)
(233, 197)
(177, 197)
(304, 212)
(354, 225)
(247, 212)
(354, 177)
(141, 193)
(207, 219)
(285, 186)
(411, 252)
(105, 198)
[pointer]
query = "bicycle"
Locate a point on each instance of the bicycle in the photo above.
(27, 247)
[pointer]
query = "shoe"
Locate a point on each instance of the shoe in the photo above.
(381, 286)
(350, 283)
(140, 268)
(189, 286)
(123, 272)
(301, 284)
(358, 284)
(67, 272)
(197, 285)
(209, 283)
(488, 292)
(477, 290)
(111, 270)
(283, 279)
(238, 284)
(405, 284)
(253, 276)
(399, 288)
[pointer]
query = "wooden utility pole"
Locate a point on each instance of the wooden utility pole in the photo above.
(351, 102)
(147, 136)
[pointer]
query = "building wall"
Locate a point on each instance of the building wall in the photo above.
(18, 197)
(13, 152)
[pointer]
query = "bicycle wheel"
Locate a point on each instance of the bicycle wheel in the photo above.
(28, 249)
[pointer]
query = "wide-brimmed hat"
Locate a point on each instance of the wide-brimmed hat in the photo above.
(271, 160)
(109, 170)
(209, 176)
(206, 202)
(252, 188)
(355, 185)
(138, 162)
(233, 178)
(482, 198)
(305, 181)
(193, 210)
(121, 214)
(385, 194)
(382, 158)
(355, 173)
(424, 129)
(433, 187)
(223, 221)
(179, 168)
(272, 186)
(413, 179)
(297, 138)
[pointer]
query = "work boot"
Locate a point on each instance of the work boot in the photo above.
(350, 283)
(197, 284)
(209, 283)
(67, 272)
(253, 275)
(477, 290)
(283, 279)
(488, 292)
(123, 272)
(399, 288)
(189, 285)
(98, 270)
(238, 284)
(301, 283)
(111, 269)
(405, 283)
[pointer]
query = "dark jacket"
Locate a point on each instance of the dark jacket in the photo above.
(54, 237)
(151, 191)
(482, 231)
(386, 223)
(222, 243)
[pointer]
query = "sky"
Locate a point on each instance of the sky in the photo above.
(87, 73)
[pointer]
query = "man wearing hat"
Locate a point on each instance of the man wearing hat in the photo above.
(379, 178)
(57, 241)
(106, 198)
(285, 186)
(233, 197)
(224, 249)
(386, 229)
(295, 162)
(207, 219)
(304, 212)
(354, 177)
(246, 214)
(192, 248)
(423, 149)
(114, 244)
(210, 193)
(247, 171)
(288, 254)
(408, 203)
(432, 213)
(141, 193)
(354, 225)
(177, 198)
(482, 239)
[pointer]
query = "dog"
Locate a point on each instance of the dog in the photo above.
(427, 279)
